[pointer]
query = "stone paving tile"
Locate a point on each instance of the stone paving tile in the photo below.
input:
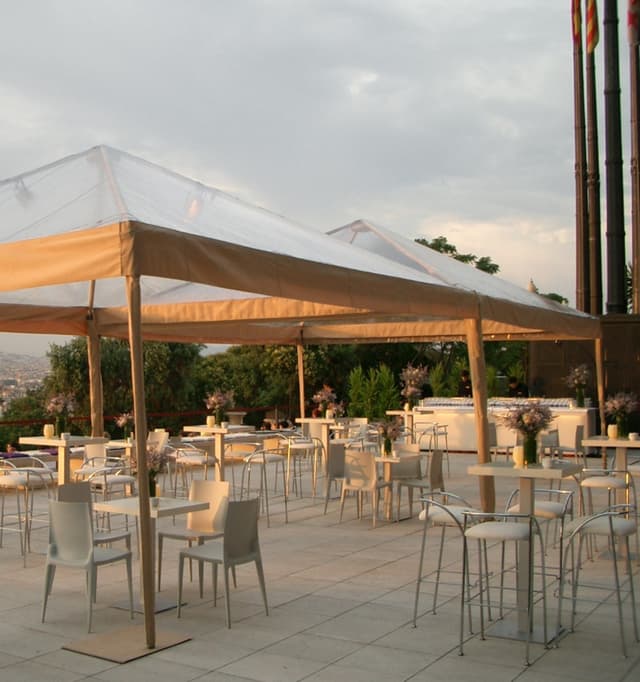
(341, 603)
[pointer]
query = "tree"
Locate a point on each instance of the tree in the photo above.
(442, 245)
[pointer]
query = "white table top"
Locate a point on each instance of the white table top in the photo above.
(506, 470)
(606, 442)
(167, 506)
(395, 459)
(56, 442)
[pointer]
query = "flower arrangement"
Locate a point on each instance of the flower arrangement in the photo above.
(388, 431)
(123, 421)
(577, 379)
(338, 409)
(324, 396)
(156, 460)
(528, 418)
(621, 404)
(578, 376)
(61, 406)
(219, 401)
(412, 378)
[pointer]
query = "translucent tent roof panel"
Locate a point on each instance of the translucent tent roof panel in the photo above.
(104, 186)
(383, 242)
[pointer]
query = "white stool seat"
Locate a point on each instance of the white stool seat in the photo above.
(599, 525)
(604, 482)
(452, 514)
(498, 530)
(545, 509)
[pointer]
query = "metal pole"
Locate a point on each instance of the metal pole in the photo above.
(616, 296)
(582, 218)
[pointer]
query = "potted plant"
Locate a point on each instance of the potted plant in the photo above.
(528, 419)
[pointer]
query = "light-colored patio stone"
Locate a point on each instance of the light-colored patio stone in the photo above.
(341, 603)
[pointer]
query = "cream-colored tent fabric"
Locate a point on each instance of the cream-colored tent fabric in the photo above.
(103, 243)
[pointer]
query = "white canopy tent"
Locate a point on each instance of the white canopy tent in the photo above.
(103, 243)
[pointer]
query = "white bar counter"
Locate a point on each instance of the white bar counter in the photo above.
(458, 415)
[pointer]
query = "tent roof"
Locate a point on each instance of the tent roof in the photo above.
(214, 268)
(507, 310)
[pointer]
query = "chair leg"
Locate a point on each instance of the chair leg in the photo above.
(225, 569)
(48, 584)
(160, 541)
(180, 576)
(419, 578)
(263, 589)
(130, 583)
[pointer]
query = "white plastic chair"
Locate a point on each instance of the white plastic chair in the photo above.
(239, 545)
(81, 492)
(71, 544)
(361, 477)
(409, 475)
(202, 525)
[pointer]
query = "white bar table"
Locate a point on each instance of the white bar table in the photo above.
(167, 506)
(621, 446)
(309, 425)
(64, 446)
(218, 434)
(526, 478)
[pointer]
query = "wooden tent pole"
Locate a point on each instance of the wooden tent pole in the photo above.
(299, 348)
(140, 420)
(479, 388)
(95, 379)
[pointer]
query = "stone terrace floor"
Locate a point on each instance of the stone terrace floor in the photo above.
(341, 600)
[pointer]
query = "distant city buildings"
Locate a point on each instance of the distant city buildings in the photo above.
(18, 375)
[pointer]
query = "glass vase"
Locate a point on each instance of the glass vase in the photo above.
(153, 484)
(219, 417)
(530, 447)
(580, 396)
(60, 425)
(623, 425)
(386, 447)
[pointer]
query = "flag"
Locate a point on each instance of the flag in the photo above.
(593, 34)
(576, 20)
(633, 21)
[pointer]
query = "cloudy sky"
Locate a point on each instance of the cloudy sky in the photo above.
(430, 117)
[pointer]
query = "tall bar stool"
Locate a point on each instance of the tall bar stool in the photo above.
(22, 481)
(617, 523)
(445, 510)
(500, 527)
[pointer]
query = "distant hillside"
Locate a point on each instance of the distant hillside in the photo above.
(15, 365)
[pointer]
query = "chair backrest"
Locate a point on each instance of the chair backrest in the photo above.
(96, 452)
(551, 439)
(71, 531)
(335, 460)
(436, 477)
(158, 439)
(360, 467)
(241, 529)
(411, 468)
(579, 437)
(75, 492)
(216, 493)
(493, 435)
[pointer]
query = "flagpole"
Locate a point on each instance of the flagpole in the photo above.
(580, 158)
(616, 296)
(593, 166)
